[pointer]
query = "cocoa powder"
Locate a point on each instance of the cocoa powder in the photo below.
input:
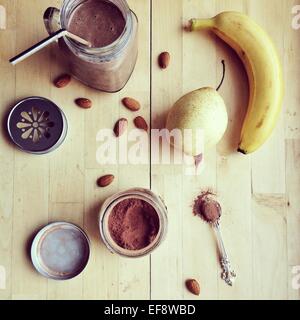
(133, 224)
(207, 208)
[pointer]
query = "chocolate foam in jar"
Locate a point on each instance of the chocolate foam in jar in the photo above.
(111, 28)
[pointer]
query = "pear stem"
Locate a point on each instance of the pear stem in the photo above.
(223, 77)
(198, 159)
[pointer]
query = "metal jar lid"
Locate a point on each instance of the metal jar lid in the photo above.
(60, 251)
(37, 125)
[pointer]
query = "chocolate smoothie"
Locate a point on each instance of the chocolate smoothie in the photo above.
(99, 22)
(103, 23)
(133, 224)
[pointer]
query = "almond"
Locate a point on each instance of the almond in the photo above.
(131, 104)
(105, 180)
(62, 81)
(141, 123)
(120, 127)
(164, 60)
(84, 103)
(193, 286)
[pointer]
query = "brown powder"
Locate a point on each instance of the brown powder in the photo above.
(207, 208)
(133, 224)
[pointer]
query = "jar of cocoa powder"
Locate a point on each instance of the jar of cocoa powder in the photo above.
(133, 223)
(110, 27)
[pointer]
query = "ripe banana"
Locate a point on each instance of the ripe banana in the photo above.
(264, 71)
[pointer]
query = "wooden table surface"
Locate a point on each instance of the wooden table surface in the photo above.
(259, 193)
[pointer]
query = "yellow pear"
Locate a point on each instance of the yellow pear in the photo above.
(202, 109)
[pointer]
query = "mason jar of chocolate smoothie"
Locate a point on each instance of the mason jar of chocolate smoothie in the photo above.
(110, 27)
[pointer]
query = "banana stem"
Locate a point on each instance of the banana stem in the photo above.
(200, 24)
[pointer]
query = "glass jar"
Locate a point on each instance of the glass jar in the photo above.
(138, 193)
(107, 68)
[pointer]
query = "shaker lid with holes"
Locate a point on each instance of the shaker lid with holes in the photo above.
(37, 125)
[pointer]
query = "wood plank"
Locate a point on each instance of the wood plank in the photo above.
(67, 162)
(270, 270)
(7, 94)
(166, 89)
(134, 274)
(293, 216)
(292, 73)
(101, 277)
(291, 66)
(234, 171)
(167, 261)
(31, 174)
(294, 282)
(269, 221)
(293, 201)
(103, 115)
(29, 214)
(199, 246)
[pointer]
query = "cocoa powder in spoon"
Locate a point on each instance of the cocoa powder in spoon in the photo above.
(207, 208)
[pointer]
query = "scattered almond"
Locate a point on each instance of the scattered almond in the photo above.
(84, 103)
(131, 104)
(164, 60)
(62, 81)
(141, 123)
(105, 180)
(193, 286)
(120, 127)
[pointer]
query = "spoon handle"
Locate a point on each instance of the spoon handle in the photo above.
(228, 274)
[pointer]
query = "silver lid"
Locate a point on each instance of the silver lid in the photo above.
(60, 251)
